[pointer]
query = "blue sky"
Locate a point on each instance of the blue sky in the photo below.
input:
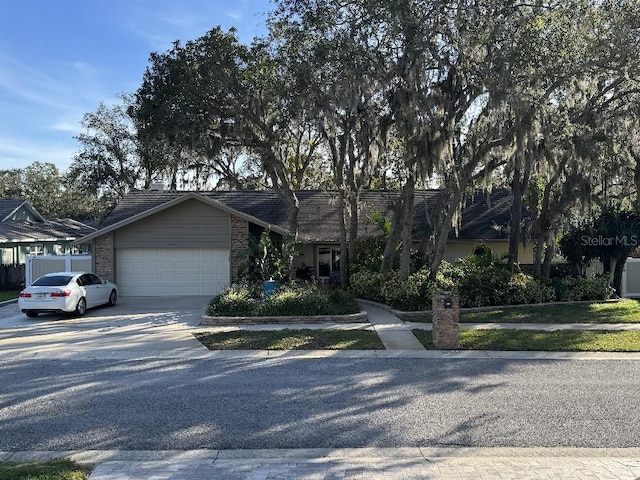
(60, 58)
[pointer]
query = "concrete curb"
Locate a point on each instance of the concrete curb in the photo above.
(313, 319)
(324, 354)
(309, 454)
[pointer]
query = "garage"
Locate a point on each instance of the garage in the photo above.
(153, 272)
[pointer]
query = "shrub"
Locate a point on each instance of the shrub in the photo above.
(524, 288)
(480, 284)
(596, 287)
(368, 252)
(234, 301)
(414, 294)
(368, 285)
(448, 277)
(291, 299)
(477, 282)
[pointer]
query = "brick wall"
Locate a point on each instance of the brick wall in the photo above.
(103, 255)
(446, 318)
(239, 245)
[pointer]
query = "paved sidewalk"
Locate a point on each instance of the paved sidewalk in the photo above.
(547, 327)
(393, 333)
(356, 463)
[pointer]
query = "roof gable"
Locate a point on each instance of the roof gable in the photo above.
(142, 204)
(18, 210)
(56, 229)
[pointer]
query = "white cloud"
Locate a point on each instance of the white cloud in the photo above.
(85, 68)
(23, 82)
(160, 23)
(45, 110)
(20, 153)
(64, 126)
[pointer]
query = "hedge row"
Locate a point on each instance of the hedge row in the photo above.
(291, 299)
(476, 286)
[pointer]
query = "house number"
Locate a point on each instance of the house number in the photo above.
(172, 244)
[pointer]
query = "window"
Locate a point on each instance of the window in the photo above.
(84, 249)
(328, 261)
(36, 249)
(53, 281)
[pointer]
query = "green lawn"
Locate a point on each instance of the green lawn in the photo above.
(58, 469)
(8, 295)
(292, 340)
(535, 340)
(625, 311)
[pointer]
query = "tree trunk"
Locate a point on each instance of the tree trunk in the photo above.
(636, 176)
(287, 195)
(443, 226)
(617, 276)
(407, 226)
(544, 222)
(548, 255)
(516, 220)
(391, 247)
(343, 240)
(353, 232)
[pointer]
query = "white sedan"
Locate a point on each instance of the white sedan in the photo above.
(67, 292)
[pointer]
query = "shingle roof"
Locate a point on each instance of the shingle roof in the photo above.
(8, 206)
(50, 229)
(318, 218)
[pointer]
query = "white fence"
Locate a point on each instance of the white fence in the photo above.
(38, 265)
(631, 278)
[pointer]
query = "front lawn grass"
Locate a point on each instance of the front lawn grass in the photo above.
(536, 340)
(57, 469)
(292, 340)
(8, 295)
(624, 311)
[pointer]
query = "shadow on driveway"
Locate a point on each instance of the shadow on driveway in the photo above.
(136, 325)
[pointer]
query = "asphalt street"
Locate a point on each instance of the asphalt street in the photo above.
(58, 404)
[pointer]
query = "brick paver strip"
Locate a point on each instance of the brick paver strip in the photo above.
(377, 469)
(357, 463)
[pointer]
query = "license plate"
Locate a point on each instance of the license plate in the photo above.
(41, 296)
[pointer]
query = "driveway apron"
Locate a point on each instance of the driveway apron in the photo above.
(134, 328)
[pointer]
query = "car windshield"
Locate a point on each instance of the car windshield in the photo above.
(52, 281)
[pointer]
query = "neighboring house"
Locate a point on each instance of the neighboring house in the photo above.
(158, 243)
(23, 231)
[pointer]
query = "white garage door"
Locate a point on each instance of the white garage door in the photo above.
(154, 272)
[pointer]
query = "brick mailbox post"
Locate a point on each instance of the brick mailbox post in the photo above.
(446, 315)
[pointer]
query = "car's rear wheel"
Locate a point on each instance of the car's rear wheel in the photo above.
(81, 308)
(31, 314)
(113, 298)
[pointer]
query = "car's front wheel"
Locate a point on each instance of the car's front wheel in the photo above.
(81, 308)
(113, 298)
(31, 314)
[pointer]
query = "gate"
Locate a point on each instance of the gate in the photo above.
(38, 265)
(631, 278)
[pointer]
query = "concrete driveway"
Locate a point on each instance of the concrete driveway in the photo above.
(139, 327)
